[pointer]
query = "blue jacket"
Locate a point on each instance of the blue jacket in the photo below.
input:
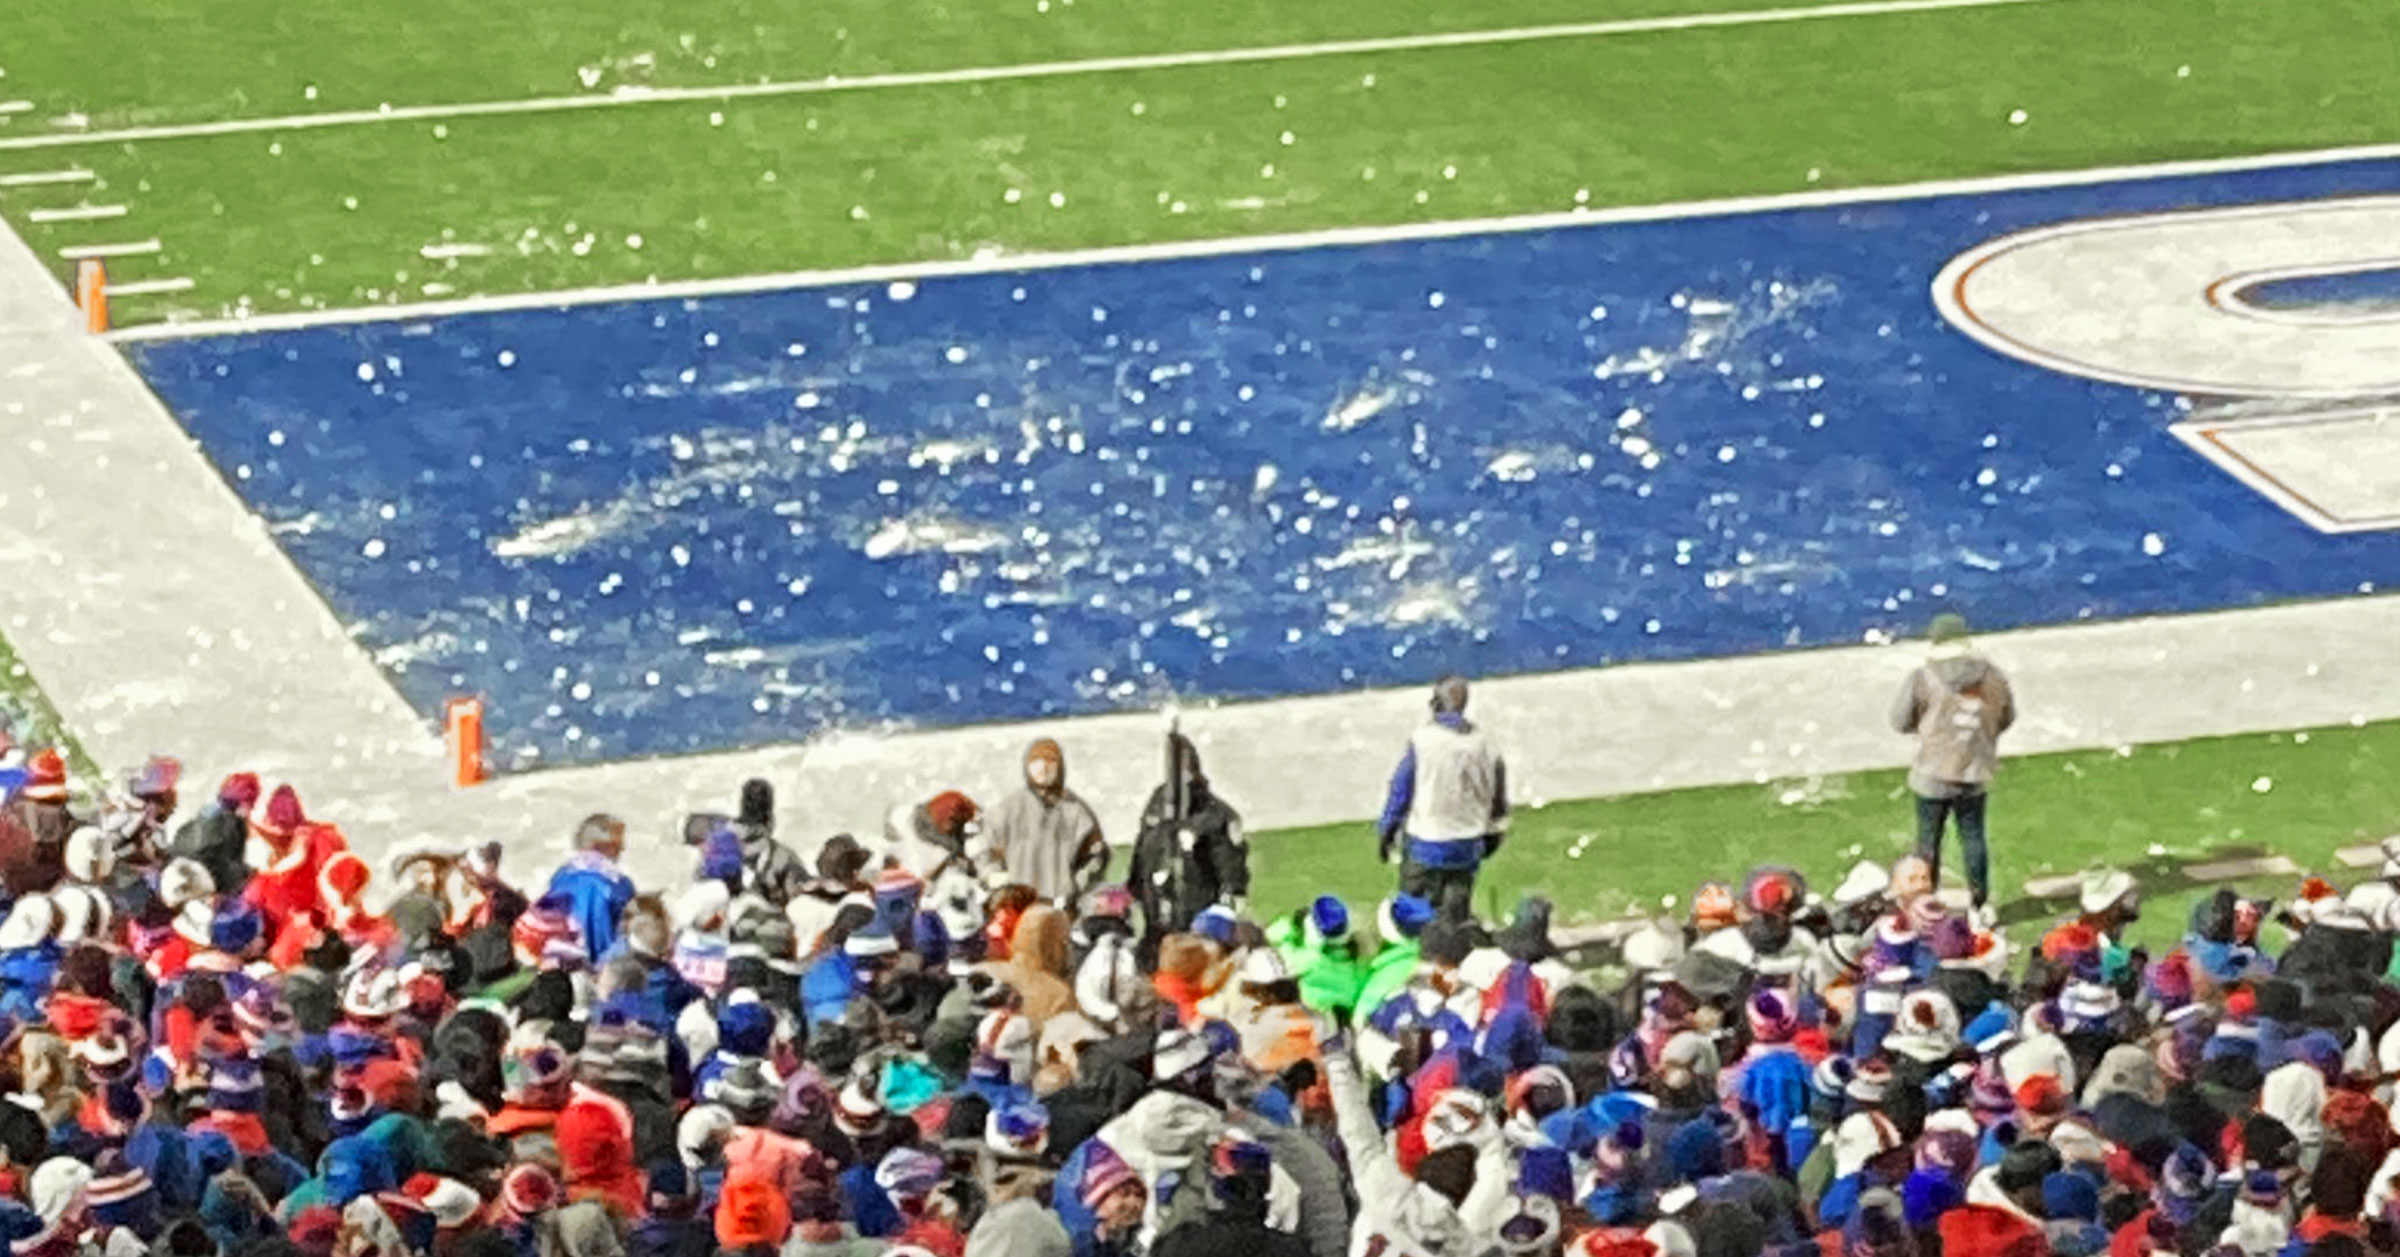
(596, 892)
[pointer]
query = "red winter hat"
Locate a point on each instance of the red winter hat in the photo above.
(239, 793)
(527, 1190)
(344, 877)
(2042, 1096)
(950, 811)
(46, 777)
(283, 814)
(751, 1211)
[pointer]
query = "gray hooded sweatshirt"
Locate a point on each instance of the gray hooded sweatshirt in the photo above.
(1958, 705)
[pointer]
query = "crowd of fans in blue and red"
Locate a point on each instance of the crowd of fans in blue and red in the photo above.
(227, 1032)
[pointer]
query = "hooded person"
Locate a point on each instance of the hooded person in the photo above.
(1037, 965)
(594, 1133)
(771, 870)
(1957, 704)
(1045, 836)
(1400, 921)
(1450, 1207)
(1240, 1176)
(594, 891)
(1191, 851)
(35, 825)
(1322, 950)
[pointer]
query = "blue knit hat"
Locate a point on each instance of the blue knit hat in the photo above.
(235, 928)
(1546, 1171)
(745, 1026)
(1927, 1195)
(1330, 916)
(1404, 917)
(234, 1086)
(721, 858)
(1216, 923)
(2070, 1197)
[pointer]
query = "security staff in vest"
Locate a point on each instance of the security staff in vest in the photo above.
(1448, 806)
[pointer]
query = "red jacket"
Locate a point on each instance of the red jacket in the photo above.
(1983, 1231)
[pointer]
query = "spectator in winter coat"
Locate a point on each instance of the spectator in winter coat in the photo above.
(1957, 704)
(596, 890)
(1239, 1176)
(214, 838)
(1423, 1216)
(34, 826)
(1191, 852)
(1401, 920)
(1447, 809)
(1044, 836)
(770, 869)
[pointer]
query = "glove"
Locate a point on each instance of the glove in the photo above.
(1491, 844)
(1384, 844)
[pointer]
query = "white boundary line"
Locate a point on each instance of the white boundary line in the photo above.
(78, 252)
(39, 178)
(1282, 242)
(1012, 73)
(147, 287)
(75, 213)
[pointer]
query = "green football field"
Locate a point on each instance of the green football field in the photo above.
(254, 156)
(2154, 810)
(1010, 128)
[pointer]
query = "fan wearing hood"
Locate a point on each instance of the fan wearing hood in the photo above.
(1430, 1214)
(1191, 851)
(1957, 703)
(1044, 835)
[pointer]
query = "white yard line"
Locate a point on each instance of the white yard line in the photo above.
(129, 248)
(1011, 73)
(1281, 242)
(75, 213)
(16, 106)
(38, 178)
(150, 287)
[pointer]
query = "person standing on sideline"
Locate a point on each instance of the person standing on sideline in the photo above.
(1957, 703)
(1448, 806)
(1044, 836)
(1191, 853)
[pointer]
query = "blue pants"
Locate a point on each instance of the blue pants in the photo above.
(1932, 818)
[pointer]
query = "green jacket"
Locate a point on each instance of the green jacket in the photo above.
(1329, 977)
(1389, 971)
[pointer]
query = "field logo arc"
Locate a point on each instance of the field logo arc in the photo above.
(2157, 301)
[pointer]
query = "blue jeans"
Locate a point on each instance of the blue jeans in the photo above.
(1932, 817)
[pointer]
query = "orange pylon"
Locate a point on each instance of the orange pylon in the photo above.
(463, 718)
(91, 293)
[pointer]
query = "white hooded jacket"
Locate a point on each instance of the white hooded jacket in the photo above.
(1399, 1216)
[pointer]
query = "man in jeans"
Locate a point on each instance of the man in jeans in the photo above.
(1448, 806)
(1957, 704)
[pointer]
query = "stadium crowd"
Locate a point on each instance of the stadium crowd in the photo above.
(220, 1034)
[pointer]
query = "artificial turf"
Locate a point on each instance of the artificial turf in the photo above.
(2151, 809)
(343, 217)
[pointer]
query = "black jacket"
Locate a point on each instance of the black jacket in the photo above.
(1224, 1234)
(1172, 879)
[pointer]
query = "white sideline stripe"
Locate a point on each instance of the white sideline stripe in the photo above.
(1012, 73)
(75, 213)
(16, 106)
(128, 248)
(1279, 242)
(146, 287)
(37, 178)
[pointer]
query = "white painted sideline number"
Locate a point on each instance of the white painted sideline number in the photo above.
(2160, 301)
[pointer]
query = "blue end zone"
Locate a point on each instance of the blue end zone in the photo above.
(677, 526)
